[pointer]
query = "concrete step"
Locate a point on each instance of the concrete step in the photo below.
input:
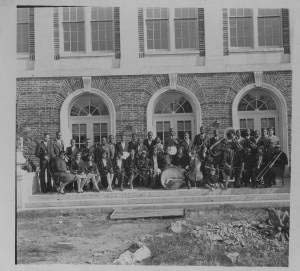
(132, 201)
(122, 213)
(196, 205)
(157, 193)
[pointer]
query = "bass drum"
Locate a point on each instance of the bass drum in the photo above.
(172, 178)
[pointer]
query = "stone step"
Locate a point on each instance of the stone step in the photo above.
(78, 202)
(157, 193)
(122, 213)
(275, 203)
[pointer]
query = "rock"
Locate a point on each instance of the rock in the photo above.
(163, 234)
(177, 226)
(146, 236)
(60, 221)
(129, 257)
(79, 224)
(234, 256)
(141, 254)
(215, 237)
(124, 258)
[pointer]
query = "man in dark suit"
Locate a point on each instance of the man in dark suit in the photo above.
(149, 143)
(58, 144)
(201, 139)
(122, 146)
(186, 143)
(44, 152)
(133, 144)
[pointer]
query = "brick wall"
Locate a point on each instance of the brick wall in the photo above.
(39, 99)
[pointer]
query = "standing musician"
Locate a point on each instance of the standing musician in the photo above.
(130, 167)
(44, 152)
(201, 142)
(250, 149)
(58, 144)
(171, 144)
(157, 163)
(133, 144)
(259, 164)
(264, 140)
(159, 146)
(274, 140)
(149, 143)
(119, 169)
(71, 152)
(86, 150)
(239, 159)
(111, 146)
(227, 158)
(122, 146)
(193, 174)
(214, 138)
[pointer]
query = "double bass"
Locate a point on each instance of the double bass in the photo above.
(195, 174)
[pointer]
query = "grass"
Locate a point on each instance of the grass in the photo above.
(88, 236)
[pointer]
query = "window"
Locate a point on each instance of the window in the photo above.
(186, 28)
(269, 27)
(102, 29)
(162, 130)
(89, 105)
(184, 127)
(241, 27)
(100, 130)
(256, 101)
(157, 24)
(22, 30)
(79, 133)
(73, 29)
(173, 103)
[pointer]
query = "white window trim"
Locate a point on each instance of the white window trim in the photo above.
(88, 38)
(171, 42)
(256, 48)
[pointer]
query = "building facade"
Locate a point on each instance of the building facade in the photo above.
(90, 71)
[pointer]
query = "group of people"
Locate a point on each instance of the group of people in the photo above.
(207, 161)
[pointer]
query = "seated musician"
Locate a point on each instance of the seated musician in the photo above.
(105, 168)
(119, 169)
(63, 174)
(211, 176)
(71, 152)
(157, 164)
(130, 167)
(140, 148)
(78, 168)
(181, 158)
(144, 169)
(92, 173)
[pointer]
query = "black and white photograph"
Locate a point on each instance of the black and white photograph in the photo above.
(153, 133)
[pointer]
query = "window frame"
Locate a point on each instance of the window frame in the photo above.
(172, 50)
(22, 55)
(87, 11)
(256, 47)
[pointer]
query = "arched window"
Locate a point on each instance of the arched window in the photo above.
(89, 105)
(173, 103)
(257, 100)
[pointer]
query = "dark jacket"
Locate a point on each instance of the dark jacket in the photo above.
(198, 141)
(150, 146)
(130, 165)
(71, 154)
(103, 170)
(119, 147)
(133, 145)
(57, 147)
(42, 151)
(91, 168)
(78, 168)
(186, 147)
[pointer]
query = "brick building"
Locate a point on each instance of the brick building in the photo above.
(111, 67)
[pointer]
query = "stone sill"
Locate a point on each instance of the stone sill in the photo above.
(166, 53)
(83, 54)
(255, 50)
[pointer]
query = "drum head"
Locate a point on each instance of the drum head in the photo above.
(172, 178)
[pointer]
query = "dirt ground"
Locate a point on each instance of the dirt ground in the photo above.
(87, 236)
